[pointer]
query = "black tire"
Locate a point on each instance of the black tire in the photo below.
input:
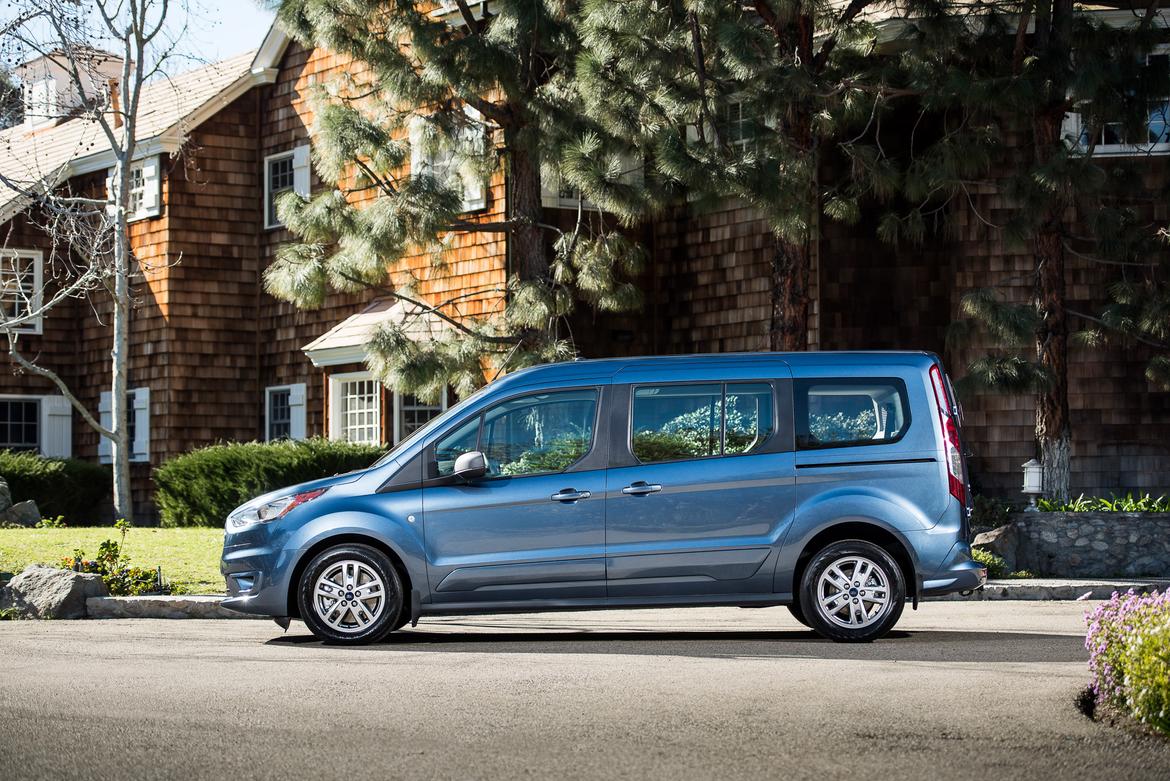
(351, 631)
(879, 619)
(797, 613)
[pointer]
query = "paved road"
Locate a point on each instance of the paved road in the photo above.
(980, 691)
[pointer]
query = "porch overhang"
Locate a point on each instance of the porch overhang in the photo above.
(347, 342)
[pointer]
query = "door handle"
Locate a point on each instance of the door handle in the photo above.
(641, 488)
(569, 495)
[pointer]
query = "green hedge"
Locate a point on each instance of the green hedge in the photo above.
(59, 486)
(200, 488)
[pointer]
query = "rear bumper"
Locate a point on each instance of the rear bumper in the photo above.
(959, 573)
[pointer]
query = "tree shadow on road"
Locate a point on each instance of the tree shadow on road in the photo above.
(917, 646)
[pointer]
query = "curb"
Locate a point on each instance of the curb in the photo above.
(193, 606)
(1035, 590)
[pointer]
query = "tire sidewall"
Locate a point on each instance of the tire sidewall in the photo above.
(822, 560)
(377, 561)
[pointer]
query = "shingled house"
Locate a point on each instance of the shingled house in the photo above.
(215, 358)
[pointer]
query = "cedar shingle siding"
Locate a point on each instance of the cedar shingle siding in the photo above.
(207, 340)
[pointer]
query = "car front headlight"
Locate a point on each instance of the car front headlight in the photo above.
(274, 509)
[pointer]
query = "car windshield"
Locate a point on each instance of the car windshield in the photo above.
(433, 424)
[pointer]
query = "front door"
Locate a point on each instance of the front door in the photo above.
(707, 491)
(534, 526)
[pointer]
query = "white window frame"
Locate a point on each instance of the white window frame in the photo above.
(400, 407)
(1073, 129)
(150, 204)
(301, 180)
(296, 411)
(423, 160)
(551, 196)
(34, 325)
(139, 399)
(40, 416)
(336, 407)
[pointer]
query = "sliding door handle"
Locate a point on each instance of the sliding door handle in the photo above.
(569, 495)
(640, 488)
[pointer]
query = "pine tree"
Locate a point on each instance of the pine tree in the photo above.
(485, 87)
(1018, 69)
(749, 101)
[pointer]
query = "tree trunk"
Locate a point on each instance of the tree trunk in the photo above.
(525, 210)
(121, 446)
(788, 329)
(1053, 431)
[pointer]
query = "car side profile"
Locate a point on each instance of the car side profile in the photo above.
(832, 483)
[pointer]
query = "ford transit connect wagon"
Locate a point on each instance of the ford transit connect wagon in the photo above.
(832, 483)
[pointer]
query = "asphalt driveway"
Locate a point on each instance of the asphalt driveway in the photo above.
(982, 690)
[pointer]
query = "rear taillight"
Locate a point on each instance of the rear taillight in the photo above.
(950, 428)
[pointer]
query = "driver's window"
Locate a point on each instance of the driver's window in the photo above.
(462, 440)
(538, 434)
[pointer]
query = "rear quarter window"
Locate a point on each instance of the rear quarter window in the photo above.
(849, 412)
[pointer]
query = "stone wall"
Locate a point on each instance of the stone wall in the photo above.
(1088, 545)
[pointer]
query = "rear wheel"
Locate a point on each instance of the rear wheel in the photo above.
(852, 591)
(350, 594)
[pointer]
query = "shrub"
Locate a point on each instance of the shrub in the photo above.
(120, 578)
(60, 486)
(200, 488)
(1129, 656)
(996, 566)
(1114, 504)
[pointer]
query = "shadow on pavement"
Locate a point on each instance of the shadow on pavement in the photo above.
(918, 646)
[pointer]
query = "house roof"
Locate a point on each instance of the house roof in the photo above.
(346, 342)
(32, 160)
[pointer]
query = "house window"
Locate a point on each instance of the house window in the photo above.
(412, 414)
(356, 408)
(137, 198)
(20, 424)
(284, 172)
(284, 412)
(21, 274)
(144, 197)
(736, 125)
(137, 425)
(441, 158)
(1112, 138)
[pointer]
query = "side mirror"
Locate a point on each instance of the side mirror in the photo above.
(470, 466)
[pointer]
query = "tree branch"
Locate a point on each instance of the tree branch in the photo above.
(53, 377)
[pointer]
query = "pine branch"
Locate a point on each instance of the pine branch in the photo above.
(847, 16)
(1132, 335)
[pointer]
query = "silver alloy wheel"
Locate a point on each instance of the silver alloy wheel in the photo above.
(853, 592)
(349, 596)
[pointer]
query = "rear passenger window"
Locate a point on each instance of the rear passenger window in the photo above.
(678, 422)
(850, 412)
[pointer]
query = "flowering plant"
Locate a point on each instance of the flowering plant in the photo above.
(1129, 655)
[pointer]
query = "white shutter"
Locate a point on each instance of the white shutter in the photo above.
(140, 409)
(475, 186)
(56, 427)
(418, 157)
(296, 411)
(106, 418)
(152, 184)
(301, 170)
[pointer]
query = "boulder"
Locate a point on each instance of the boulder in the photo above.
(5, 495)
(47, 592)
(1003, 542)
(24, 513)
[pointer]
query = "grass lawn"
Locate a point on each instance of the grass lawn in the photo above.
(189, 557)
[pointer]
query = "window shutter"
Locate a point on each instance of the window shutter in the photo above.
(56, 427)
(296, 411)
(474, 186)
(106, 418)
(418, 157)
(140, 409)
(152, 182)
(301, 170)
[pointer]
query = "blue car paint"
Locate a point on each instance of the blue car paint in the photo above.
(722, 530)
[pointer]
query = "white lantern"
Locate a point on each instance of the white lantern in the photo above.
(1033, 482)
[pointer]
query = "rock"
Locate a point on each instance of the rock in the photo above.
(24, 513)
(47, 592)
(5, 495)
(1003, 542)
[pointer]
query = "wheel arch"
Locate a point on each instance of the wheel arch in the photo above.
(346, 538)
(885, 538)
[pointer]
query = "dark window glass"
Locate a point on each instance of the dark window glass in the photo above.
(675, 422)
(279, 414)
(280, 180)
(849, 412)
(19, 424)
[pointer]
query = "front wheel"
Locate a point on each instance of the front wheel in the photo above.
(350, 594)
(852, 591)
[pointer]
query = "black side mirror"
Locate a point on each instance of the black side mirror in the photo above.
(470, 466)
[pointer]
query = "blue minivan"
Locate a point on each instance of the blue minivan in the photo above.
(831, 483)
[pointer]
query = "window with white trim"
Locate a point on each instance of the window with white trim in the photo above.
(452, 163)
(284, 172)
(737, 125)
(137, 425)
(20, 427)
(145, 189)
(1112, 139)
(355, 408)
(284, 412)
(411, 413)
(555, 193)
(21, 289)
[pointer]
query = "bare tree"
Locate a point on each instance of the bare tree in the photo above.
(108, 52)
